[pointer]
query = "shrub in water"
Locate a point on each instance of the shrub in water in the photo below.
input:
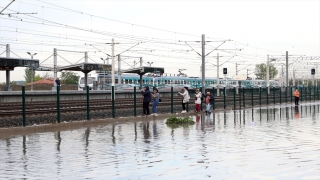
(179, 120)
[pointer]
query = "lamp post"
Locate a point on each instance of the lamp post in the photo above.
(150, 63)
(32, 69)
(104, 75)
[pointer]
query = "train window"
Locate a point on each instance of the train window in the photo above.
(130, 81)
(126, 81)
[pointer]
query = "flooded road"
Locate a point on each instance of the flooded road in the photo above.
(274, 143)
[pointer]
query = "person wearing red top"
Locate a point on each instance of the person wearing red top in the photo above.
(296, 97)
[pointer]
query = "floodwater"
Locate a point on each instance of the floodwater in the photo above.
(274, 143)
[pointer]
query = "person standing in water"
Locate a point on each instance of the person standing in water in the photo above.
(146, 100)
(155, 96)
(186, 98)
(296, 97)
(198, 100)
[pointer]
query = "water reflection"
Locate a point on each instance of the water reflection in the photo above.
(57, 136)
(146, 132)
(296, 112)
(274, 149)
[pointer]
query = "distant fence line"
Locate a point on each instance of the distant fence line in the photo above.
(245, 98)
(41, 87)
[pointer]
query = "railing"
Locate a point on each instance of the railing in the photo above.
(229, 99)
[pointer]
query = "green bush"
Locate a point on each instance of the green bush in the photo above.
(177, 120)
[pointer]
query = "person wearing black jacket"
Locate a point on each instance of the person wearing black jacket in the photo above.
(208, 99)
(146, 100)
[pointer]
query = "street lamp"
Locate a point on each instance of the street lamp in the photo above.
(104, 76)
(150, 63)
(32, 69)
(104, 60)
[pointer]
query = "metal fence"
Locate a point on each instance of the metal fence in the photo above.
(229, 99)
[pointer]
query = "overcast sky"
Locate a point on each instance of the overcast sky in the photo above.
(258, 27)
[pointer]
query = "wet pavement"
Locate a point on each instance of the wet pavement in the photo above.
(266, 143)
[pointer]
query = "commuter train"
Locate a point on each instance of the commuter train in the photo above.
(101, 81)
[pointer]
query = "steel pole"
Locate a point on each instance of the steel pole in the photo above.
(203, 64)
(58, 103)
(135, 101)
(119, 69)
(8, 88)
(55, 66)
(268, 74)
(287, 69)
(88, 104)
(218, 81)
(112, 70)
(23, 106)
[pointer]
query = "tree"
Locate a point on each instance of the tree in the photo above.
(261, 71)
(69, 78)
(37, 78)
(27, 75)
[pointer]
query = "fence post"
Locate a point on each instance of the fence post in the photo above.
(113, 108)
(310, 92)
(200, 90)
(291, 94)
(280, 95)
(214, 104)
(234, 98)
(88, 104)
(286, 94)
(187, 108)
(274, 95)
(314, 93)
(24, 106)
(58, 104)
(260, 95)
(305, 92)
(135, 101)
(171, 99)
(267, 95)
(252, 97)
(224, 97)
(317, 92)
(244, 98)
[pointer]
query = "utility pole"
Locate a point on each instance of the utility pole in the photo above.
(112, 70)
(218, 79)
(293, 79)
(8, 88)
(55, 68)
(32, 69)
(203, 64)
(119, 69)
(236, 68)
(267, 78)
(282, 79)
(141, 61)
(287, 69)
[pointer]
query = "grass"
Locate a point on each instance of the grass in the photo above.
(179, 120)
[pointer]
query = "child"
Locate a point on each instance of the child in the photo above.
(155, 96)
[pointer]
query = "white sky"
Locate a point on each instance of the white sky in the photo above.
(267, 26)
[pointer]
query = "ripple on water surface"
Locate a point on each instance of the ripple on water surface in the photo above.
(249, 144)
